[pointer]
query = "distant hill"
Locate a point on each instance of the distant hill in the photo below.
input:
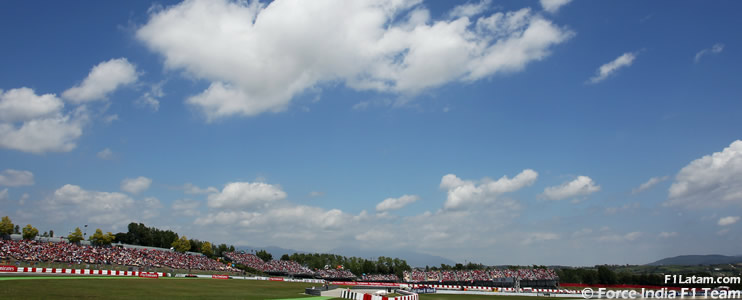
(694, 260)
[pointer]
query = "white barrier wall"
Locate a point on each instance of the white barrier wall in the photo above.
(82, 272)
(347, 294)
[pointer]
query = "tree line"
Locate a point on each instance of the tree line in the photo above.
(357, 265)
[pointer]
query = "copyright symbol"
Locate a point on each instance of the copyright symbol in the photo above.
(587, 293)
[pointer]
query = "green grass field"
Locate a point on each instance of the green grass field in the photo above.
(58, 287)
(139, 288)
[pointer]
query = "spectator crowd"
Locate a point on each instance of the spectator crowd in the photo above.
(80, 254)
(479, 275)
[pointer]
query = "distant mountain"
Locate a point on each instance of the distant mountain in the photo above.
(693, 260)
(414, 259)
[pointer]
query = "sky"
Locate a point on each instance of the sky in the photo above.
(551, 132)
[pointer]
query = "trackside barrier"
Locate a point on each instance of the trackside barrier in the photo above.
(492, 289)
(14, 269)
(347, 294)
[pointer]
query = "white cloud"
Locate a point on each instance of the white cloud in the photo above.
(711, 181)
(13, 178)
(470, 9)
(468, 194)
(4, 194)
(396, 203)
(151, 98)
(553, 6)
(715, 49)
(581, 186)
(258, 57)
(666, 235)
(135, 185)
(186, 207)
(246, 195)
(610, 68)
(105, 154)
(73, 202)
(150, 208)
(23, 199)
(36, 124)
(649, 184)
(726, 221)
(192, 189)
(103, 79)
(23, 104)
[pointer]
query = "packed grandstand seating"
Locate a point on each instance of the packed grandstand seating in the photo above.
(479, 275)
(248, 260)
(36, 251)
(380, 277)
(287, 266)
(76, 254)
(333, 273)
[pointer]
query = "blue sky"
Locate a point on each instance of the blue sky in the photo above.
(607, 132)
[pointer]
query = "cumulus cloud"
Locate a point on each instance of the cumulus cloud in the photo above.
(105, 154)
(103, 79)
(715, 49)
(246, 195)
(581, 186)
(73, 202)
(23, 104)
(37, 124)
(258, 57)
(466, 193)
(135, 185)
(14, 178)
(625, 60)
(649, 184)
(4, 194)
(726, 221)
(714, 180)
(553, 6)
(396, 203)
(186, 207)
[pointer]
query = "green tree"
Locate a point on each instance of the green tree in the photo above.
(29, 232)
(285, 257)
(17, 229)
(6, 226)
(100, 239)
(51, 233)
(182, 245)
(606, 275)
(207, 249)
(264, 255)
(76, 236)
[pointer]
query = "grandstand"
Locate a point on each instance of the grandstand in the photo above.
(62, 252)
(147, 257)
